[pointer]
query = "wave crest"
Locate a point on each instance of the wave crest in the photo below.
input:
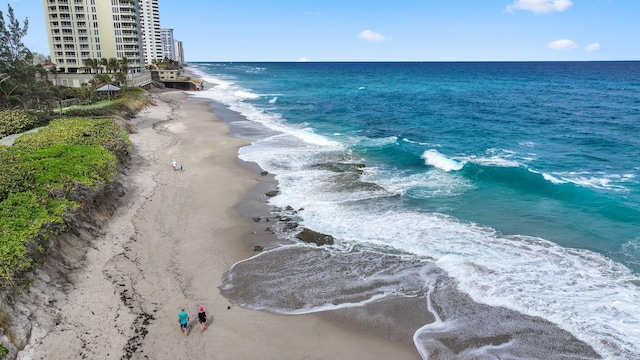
(434, 158)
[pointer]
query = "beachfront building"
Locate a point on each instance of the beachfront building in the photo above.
(151, 36)
(168, 46)
(177, 44)
(79, 30)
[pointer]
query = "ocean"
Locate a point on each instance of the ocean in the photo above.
(489, 191)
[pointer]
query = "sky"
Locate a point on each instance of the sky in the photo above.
(388, 30)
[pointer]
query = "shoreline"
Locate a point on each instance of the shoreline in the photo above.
(468, 326)
(168, 245)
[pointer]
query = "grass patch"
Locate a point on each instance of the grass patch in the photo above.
(98, 105)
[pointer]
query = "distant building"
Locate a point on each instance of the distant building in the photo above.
(168, 46)
(164, 75)
(93, 29)
(171, 47)
(177, 45)
(151, 36)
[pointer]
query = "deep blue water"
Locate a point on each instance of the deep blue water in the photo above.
(529, 171)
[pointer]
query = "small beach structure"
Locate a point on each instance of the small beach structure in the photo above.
(108, 88)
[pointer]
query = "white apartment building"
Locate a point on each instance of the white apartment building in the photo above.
(168, 46)
(151, 36)
(177, 45)
(93, 29)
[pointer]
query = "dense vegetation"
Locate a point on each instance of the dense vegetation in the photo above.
(16, 121)
(40, 176)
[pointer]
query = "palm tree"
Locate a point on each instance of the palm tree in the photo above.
(121, 77)
(88, 63)
(61, 92)
(124, 65)
(95, 65)
(54, 69)
(84, 92)
(113, 65)
(94, 83)
(104, 63)
(44, 74)
(102, 79)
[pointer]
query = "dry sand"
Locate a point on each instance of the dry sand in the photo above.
(168, 246)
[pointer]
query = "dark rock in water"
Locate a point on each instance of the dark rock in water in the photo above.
(291, 225)
(257, 248)
(313, 237)
(264, 173)
(256, 219)
(272, 193)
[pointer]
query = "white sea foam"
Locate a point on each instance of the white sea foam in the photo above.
(428, 184)
(552, 179)
(246, 94)
(601, 181)
(230, 94)
(434, 158)
(409, 141)
(364, 141)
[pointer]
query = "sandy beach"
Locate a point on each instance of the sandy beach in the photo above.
(168, 246)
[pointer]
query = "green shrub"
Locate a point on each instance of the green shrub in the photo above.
(25, 218)
(16, 121)
(79, 131)
(44, 177)
(128, 104)
(63, 166)
(16, 174)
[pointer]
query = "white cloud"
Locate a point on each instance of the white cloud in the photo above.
(302, 59)
(593, 47)
(562, 44)
(371, 36)
(539, 6)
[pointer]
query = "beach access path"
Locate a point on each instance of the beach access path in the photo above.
(168, 246)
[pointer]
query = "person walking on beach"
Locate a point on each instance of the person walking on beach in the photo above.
(183, 319)
(174, 165)
(202, 318)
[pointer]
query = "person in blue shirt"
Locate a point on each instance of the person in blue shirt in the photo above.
(183, 318)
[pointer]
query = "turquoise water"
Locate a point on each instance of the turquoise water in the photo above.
(520, 180)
